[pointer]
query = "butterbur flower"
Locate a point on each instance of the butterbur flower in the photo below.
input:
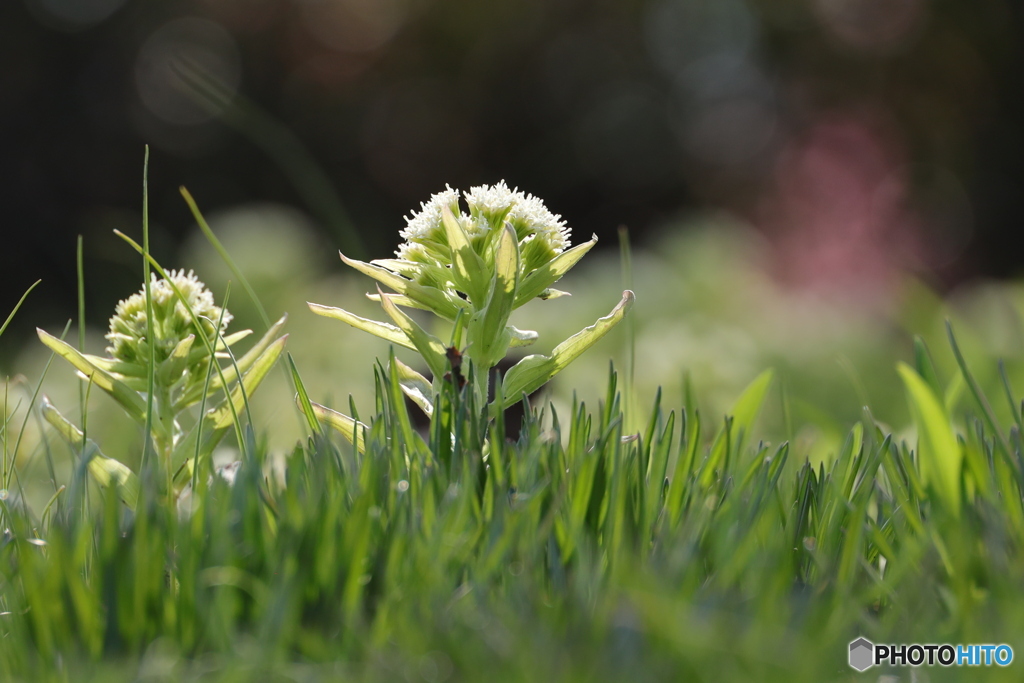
(541, 234)
(473, 267)
(129, 336)
(186, 346)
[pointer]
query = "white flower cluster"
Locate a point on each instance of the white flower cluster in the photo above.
(490, 206)
(424, 223)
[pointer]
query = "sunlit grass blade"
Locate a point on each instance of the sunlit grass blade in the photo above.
(17, 306)
(225, 256)
(939, 455)
(976, 392)
(302, 397)
(242, 365)
(743, 413)
(279, 143)
(224, 415)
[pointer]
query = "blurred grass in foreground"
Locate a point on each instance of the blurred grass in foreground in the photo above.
(733, 550)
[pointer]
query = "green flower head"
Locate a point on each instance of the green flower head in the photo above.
(128, 333)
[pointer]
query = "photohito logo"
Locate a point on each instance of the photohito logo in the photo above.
(864, 654)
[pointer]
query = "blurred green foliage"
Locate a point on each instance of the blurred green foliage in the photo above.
(745, 526)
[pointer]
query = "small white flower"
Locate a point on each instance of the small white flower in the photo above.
(491, 201)
(424, 223)
(530, 215)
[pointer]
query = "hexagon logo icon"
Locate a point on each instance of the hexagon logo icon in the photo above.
(862, 653)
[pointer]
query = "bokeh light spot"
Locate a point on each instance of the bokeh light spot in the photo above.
(871, 25)
(187, 45)
(73, 15)
(354, 25)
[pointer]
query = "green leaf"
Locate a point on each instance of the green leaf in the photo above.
(521, 338)
(217, 421)
(743, 414)
(105, 470)
(468, 268)
(491, 339)
(170, 370)
(230, 373)
(938, 454)
(415, 386)
(116, 367)
(533, 372)
(429, 346)
(400, 300)
(552, 293)
(126, 397)
(385, 331)
(350, 428)
(185, 452)
(431, 298)
(222, 416)
(220, 348)
(409, 269)
(534, 284)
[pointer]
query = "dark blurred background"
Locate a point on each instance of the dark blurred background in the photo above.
(858, 136)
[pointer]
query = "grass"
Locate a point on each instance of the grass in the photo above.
(576, 552)
(681, 547)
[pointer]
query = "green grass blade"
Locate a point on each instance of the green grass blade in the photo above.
(744, 412)
(979, 396)
(225, 256)
(302, 397)
(18, 305)
(939, 455)
(225, 414)
(279, 143)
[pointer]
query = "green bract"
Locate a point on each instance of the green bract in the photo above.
(174, 323)
(473, 268)
(185, 344)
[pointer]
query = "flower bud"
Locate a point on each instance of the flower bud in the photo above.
(129, 333)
